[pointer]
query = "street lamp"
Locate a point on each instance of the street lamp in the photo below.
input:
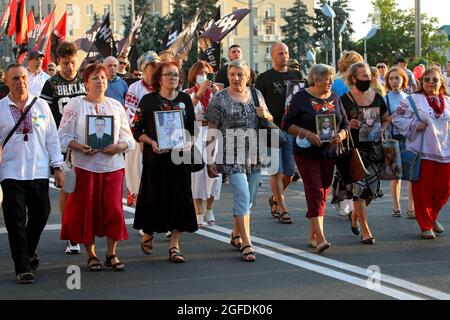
(369, 35)
(329, 12)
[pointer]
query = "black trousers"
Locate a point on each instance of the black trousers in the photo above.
(26, 207)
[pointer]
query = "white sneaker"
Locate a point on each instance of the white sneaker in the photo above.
(209, 216)
(428, 234)
(437, 227)
(168, 234)
(72, 248)
(200, 221)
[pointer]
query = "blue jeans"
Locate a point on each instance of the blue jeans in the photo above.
(244, 188)
(282, 159)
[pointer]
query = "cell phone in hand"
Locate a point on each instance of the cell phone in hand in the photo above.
(211, 76)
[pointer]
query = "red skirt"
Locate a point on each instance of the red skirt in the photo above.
(95, 208)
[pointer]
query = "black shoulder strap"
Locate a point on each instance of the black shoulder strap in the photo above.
(255, 97)
(388, 105)
(22, 117)
(352, 98)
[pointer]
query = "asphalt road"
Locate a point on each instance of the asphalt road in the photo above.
(286, 268)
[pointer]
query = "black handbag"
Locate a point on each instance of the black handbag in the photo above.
(270, 126)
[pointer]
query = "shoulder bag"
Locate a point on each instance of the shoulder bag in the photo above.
(411, 159)
(270, 126)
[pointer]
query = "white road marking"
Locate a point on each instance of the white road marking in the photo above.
(361, 282)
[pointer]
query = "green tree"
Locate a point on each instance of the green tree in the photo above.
(322, 26)
(396, 36)
(297, 27)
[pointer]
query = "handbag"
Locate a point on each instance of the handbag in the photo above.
(392, 164)
(270, 126)
(411, 159)
(70, 178)
(349, 163)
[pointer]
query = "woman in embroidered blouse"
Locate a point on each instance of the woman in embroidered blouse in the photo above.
(95, 207)
(315, 159)
(396, 84)
(203, 187)
(165, 198)
(361, 103)
(232, 110)
(430, 136)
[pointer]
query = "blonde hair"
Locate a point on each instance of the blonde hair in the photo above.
(347, 59)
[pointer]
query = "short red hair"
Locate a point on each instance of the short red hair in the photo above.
(156, 77)
(92, 68)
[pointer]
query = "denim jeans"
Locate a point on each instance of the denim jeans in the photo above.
(244, 188)
(281, 161)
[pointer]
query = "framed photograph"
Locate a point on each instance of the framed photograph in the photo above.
(293, 87)
(326, 126)
(370, 119)
(170, 129)
(99, 131)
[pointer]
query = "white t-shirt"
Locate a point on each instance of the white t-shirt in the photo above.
(36, 82)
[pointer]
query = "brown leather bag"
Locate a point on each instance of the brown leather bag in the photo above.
(357, 169)
(349, 163)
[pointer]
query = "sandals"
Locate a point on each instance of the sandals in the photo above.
(248, 256)
(233, 242)
(285, 218)
(118, 266)
(210, 219)
(147, 245)
(274, 213)
(396, 213)
(94, 264)
(25, 278)
(411, 214)
(175, 256)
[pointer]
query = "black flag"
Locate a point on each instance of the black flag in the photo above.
(104, 39)
(222, 27)
(212, 55)
(172, 34)
(126, 44)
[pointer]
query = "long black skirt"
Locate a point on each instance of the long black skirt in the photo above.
(165, 200)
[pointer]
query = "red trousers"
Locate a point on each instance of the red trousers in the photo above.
(431, 192)
(317, 175)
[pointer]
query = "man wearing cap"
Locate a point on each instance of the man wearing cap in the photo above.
(51, 69)
(147, 64)
(412, 84)
(117, 88)
(36, 76)
(293, 64)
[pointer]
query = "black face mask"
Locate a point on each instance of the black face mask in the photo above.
(362, 85)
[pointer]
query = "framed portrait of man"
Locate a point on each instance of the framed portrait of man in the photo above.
(99, 131)
(326, 126)
(170, 129)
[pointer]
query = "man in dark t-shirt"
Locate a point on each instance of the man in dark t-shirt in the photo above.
(273, 85)
(57, 91)
(234, 53)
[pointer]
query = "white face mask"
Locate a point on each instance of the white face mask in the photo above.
(200, 79)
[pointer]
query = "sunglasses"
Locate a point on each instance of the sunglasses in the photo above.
(428, 79)
(381, 67)
(124, 63)
(171, 74)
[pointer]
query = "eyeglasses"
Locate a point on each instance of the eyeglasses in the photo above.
(171, 74)
(428, 79)
(381, 66)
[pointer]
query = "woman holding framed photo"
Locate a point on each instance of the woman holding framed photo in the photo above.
(96, 129)
(314, 111)
(165, 198)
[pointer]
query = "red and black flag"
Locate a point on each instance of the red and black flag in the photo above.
(21, 23)
(58, 35)
(104, 40)
(127, 43)
(4, 20)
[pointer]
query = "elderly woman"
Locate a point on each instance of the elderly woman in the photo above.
(315, 158)
(397, 82)
(428, 135)
(361, 103)
(165, 197)
(95, 207)
(234, 110)
(204, 188)
(147, 64)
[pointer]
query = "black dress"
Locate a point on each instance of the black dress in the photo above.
(165, 197)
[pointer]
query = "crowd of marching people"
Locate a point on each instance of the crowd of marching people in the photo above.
(105, 132)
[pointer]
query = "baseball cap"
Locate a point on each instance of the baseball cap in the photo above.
(33, 54)
(51, 66)
(146, 58)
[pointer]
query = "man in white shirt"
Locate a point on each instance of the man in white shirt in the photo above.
(36, 76)
(24, 170)
(447, 74)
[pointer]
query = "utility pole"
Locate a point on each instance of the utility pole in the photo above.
(333, 47)
(418, 30)
(251, 28)
(133, 16)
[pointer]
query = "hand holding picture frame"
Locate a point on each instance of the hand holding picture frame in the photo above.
(326, 126)
(99, 131)
(170, 130)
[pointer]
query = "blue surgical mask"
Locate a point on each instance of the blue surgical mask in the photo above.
(200, 79)
(302, 143)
